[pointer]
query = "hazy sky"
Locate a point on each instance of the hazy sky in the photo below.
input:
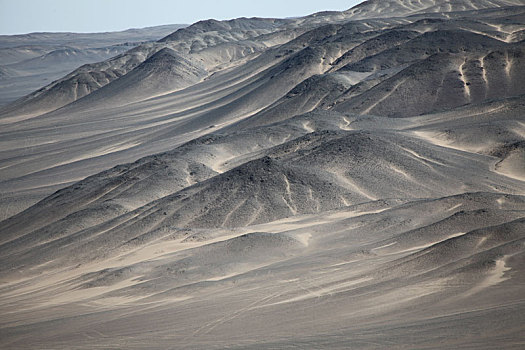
(24, 16)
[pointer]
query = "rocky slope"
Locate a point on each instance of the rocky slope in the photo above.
(350, 178)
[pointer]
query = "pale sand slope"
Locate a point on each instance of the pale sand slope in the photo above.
(305, 183)
(319, 280)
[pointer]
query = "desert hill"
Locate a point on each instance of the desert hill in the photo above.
(350, 179)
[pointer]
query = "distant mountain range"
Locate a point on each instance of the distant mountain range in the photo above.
(29, 61)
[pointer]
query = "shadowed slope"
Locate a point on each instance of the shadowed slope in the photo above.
(444, 81)
(163, 72)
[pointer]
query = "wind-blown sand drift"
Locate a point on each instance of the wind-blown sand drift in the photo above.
(343, 180)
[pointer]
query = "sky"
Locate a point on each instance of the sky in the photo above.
(26, 16)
